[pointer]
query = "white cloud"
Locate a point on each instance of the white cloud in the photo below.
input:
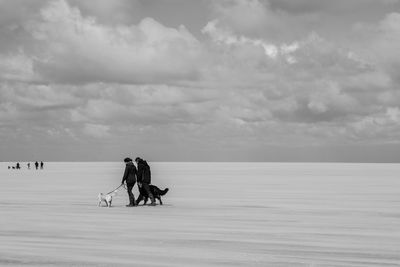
(243, 16)
(380, 42)
(96, 130)
(226, 36)
(393, 114)
(229, 38)
(16, 67)
(77, 49)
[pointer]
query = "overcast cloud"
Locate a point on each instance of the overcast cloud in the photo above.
(200, 80)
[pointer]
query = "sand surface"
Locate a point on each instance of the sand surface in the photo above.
(216, 214)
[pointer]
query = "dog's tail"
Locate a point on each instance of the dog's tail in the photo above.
(163, 192)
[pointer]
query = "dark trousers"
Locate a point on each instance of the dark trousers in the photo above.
(130, 194)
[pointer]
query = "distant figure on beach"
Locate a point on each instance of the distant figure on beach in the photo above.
(130, 179)
(41, 165)
(36, 165)
(144, 179)
(29, 165)
(17, 166)
(9, 167)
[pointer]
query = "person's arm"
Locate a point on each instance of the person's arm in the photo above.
(139, 173)
(137, 177)
(125, 174)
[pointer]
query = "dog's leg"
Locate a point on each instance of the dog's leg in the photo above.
(159, 198)
(145, 200)
(110, 204)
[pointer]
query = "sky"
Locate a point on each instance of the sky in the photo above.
(200, 80)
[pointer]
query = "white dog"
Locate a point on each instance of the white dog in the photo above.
(107, 198)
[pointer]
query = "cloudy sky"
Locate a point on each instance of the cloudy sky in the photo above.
(200, 80)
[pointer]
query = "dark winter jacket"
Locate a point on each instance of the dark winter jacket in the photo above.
(129, 174)
(144, 173)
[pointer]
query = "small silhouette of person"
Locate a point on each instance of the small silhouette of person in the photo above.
(36, 165)
(130, 179)
(41, 165)
(29, 165)
(17, 166)
(9, 167)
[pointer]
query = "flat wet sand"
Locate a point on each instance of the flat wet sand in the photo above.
(216, 214)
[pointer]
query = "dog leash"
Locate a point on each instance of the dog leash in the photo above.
(115, 189)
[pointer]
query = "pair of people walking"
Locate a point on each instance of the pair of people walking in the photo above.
(142, 175)
(37, 165)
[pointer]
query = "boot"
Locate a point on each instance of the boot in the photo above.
(131, 204)
(131, 201)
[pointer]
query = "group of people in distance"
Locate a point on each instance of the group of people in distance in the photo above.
(36, 165)
(142, 175)
(18, 166)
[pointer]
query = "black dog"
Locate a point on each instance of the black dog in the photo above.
(157, 193)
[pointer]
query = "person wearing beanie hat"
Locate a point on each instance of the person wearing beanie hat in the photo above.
(130, 179)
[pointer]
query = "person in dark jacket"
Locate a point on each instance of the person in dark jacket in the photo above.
(144, 179)
(130, 179)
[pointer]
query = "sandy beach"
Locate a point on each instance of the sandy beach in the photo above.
(216, 214)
